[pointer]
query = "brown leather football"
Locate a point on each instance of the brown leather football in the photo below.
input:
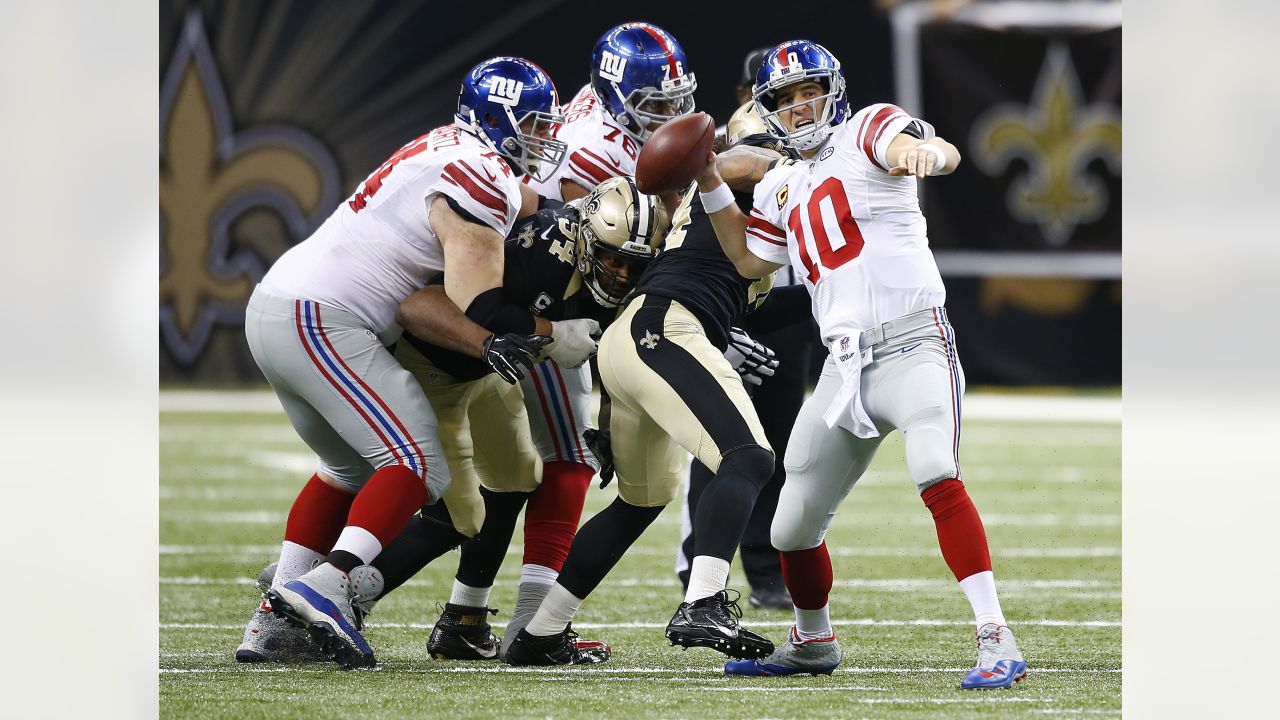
(674, 154)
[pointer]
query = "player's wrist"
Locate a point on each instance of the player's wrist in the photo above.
(939, 157)
(717, 198)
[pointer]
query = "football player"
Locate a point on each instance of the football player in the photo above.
(848, 220)
(564, 264)
(639, 79)
(672, 390)
(319, 322)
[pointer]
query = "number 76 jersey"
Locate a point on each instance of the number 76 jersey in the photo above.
(854, 233)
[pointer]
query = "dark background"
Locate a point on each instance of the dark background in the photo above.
(356, 80)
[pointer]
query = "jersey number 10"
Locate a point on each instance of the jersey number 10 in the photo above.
(846, 230)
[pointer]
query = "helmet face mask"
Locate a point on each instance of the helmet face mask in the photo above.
(792, 64)
(638, 74)
(620, 230)
(511, 105)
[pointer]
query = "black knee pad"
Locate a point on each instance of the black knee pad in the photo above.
(752, 462)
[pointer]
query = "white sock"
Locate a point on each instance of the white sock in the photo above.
(980, 588)
(359, 542)
(707, 576)
(537, 574)
(555, 613)
(470, 596)
(814, 624)
(295, 561)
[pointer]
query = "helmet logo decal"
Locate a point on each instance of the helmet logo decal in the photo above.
(505, 91)
(612, 66)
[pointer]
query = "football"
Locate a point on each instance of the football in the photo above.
(672, 157)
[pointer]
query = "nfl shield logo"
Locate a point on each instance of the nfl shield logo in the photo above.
(844, 344)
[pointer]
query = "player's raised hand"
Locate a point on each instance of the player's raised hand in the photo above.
(709, 176)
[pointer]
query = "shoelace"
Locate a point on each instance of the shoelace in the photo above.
(361, 607)
(730, 605)
(990, 650)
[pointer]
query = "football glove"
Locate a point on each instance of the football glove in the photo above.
(753, 361)
(573, 341)
(511, 354)
(598, 443)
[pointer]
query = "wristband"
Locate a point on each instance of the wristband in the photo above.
(718, 199)
(939, 156)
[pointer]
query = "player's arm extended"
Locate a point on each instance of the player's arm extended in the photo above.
(731, 228)
(473, 256)
(908, 155)
(571, 190)
(742, 166)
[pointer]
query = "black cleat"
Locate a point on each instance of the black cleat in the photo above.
(771, 598)
(463, 633)
(713, 622)
(561, 649)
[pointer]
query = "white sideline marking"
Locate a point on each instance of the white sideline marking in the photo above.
(634, 671)
(977, 405)
(862, 622)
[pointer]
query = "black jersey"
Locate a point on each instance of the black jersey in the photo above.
(693, 271)
(538, 275)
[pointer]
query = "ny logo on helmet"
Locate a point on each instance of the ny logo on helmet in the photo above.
(505, 91)
(612, 66)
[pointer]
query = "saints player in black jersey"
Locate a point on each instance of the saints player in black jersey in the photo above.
(672, 390)
(558, 266)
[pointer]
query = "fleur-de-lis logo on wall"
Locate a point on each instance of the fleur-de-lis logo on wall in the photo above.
(209, 176)
(1058, 137)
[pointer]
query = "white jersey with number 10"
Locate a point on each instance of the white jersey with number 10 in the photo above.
(854, 233)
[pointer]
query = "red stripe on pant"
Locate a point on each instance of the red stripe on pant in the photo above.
(807, 575)
(317, 516)
(555, 507)
(961, 536)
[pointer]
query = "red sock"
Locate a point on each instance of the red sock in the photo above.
(385, 504)
(960, 533)
(317, 516)
(555, 507)
(807, 575)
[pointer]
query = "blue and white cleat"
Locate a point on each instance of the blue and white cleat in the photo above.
(1000, 663)
(795, 656)
(323, 601)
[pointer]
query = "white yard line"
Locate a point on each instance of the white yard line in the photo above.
(504, 669)
(861, 622)
(977, 405)
(252, 551)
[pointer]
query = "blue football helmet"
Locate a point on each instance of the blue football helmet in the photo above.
(497, 97)
(639, 74)
(797, 61)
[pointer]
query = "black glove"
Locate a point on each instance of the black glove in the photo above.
(751, 359)
(505, 354)
(598, 443)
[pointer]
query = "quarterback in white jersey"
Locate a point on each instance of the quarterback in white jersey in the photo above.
(317, 326)
(847, 218)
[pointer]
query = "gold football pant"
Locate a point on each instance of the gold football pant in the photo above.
(672, 391)
(485, 434)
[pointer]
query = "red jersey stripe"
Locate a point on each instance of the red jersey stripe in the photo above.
(589, 170)
(477, 193)
(754, 234)
(480, 178)
(762, 225)
(868, 142)
(605, 162)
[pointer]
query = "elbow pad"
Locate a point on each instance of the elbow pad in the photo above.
(492, 311)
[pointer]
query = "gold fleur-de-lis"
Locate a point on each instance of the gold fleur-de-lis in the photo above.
(1057, 136)
(208, 177)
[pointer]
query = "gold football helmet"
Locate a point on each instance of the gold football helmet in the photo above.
(620, 231)
(745, 125)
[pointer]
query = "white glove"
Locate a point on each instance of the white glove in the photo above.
(573, 341)
(753, 361)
